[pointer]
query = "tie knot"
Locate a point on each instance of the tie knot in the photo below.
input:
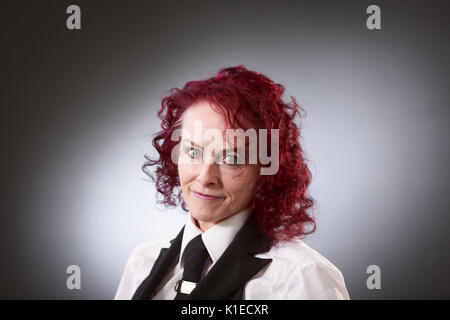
(195, 252)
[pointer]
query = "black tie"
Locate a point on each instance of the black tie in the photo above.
(195, 256)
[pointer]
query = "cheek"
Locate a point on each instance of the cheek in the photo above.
(241, 186)
(184, 173)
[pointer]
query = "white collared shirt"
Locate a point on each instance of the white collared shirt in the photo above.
(296, 271)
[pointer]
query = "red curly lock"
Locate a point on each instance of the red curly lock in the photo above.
(280, 200)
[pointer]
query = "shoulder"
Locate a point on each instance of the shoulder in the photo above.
(296, 253)
(138, 266)
(146, 252)
(148, 248)
(297, 271)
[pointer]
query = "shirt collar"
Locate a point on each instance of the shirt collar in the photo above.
(218, 237)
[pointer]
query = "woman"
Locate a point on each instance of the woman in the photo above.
(247, 210)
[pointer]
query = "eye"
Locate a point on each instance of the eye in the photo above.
(193, 153)
(231, 160)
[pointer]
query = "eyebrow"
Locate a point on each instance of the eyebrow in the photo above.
(235, 149)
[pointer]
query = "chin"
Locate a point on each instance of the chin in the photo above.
(203, 215)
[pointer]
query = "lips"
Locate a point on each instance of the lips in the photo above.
(206, 196)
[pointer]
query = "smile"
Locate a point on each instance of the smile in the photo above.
(205, 196)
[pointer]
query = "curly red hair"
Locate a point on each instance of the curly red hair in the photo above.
(280, 201)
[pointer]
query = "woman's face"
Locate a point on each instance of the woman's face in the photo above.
(213, 191)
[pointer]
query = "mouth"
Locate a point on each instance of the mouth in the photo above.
(206, 196)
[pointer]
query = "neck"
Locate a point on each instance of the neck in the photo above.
(202, 225)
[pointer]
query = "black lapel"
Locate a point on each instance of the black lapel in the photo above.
(164, 262)
(236, 266)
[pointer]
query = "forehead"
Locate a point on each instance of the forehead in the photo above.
(202, 124)
(204, 113)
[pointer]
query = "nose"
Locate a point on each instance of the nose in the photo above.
(209, 175)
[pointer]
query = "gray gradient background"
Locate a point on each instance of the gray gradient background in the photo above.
(79, 109)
